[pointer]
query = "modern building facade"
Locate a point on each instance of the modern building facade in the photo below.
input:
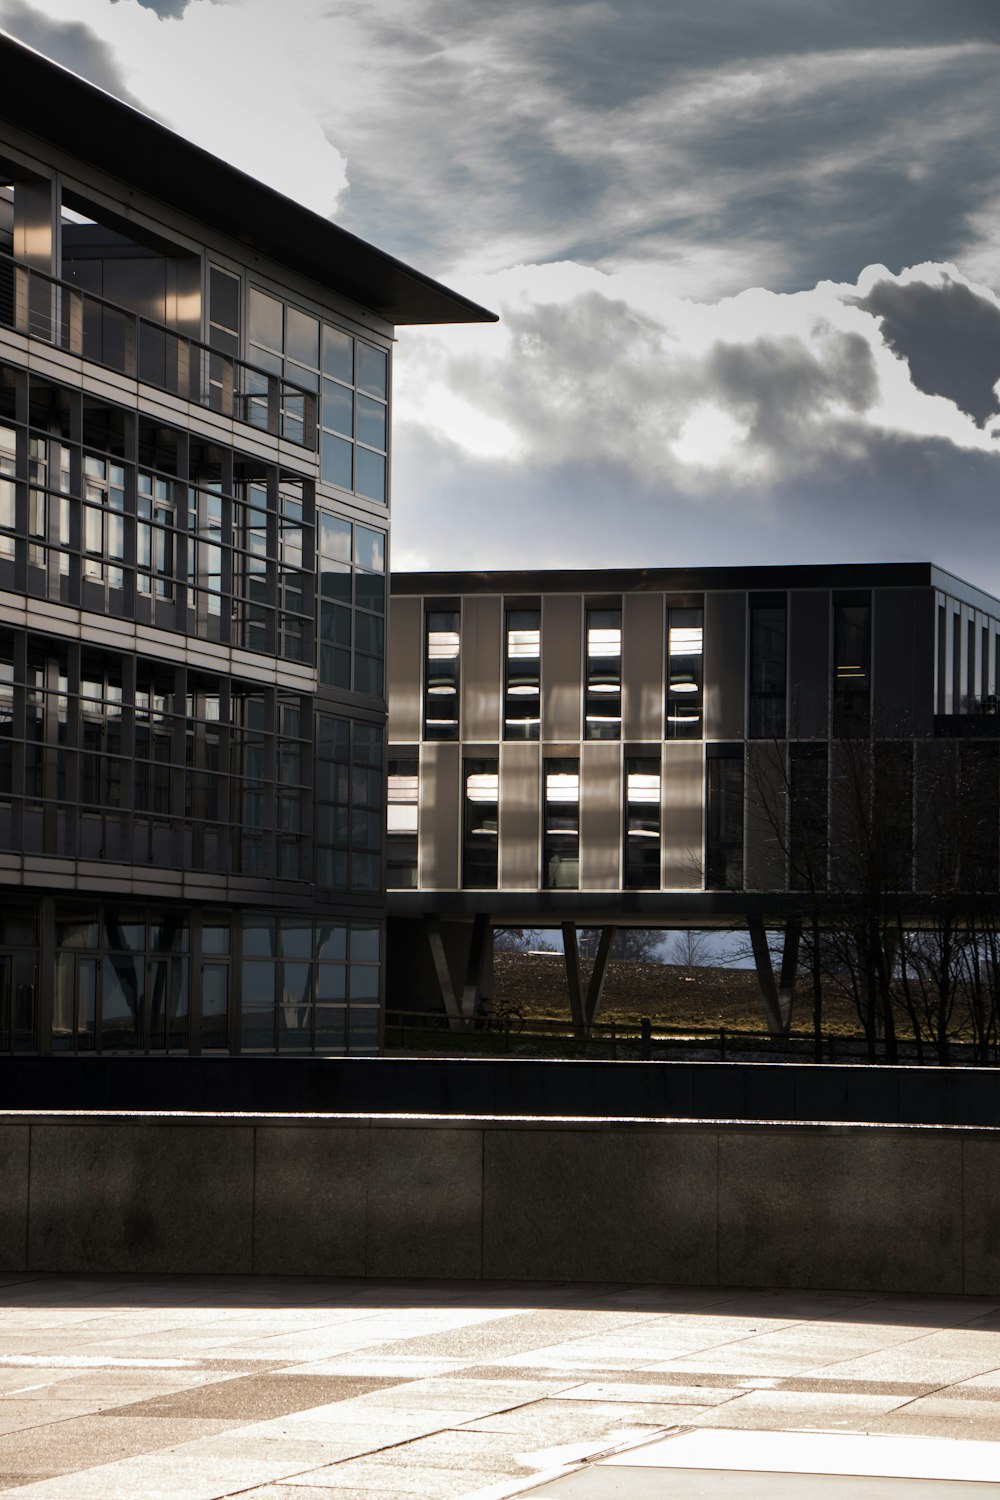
(608, 748)
(194, 497)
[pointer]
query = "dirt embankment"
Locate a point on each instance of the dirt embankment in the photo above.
(667, 993)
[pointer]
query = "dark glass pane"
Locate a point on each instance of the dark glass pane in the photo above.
(373, 370)
(724, 851)
(369, 549)
(685, 631)
(335, 467)
(480, 824)
(561, 824)
(808, 824)
(265, 320)
(852, 668)
(338, 408)
(338, 354)
(369, 476)
(301, 337)
(371, 423)
(767, 671)
(224, 291)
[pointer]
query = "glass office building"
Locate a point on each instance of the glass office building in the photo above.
(662, 745)
(195, 399)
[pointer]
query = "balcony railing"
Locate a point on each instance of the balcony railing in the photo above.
(65, 316)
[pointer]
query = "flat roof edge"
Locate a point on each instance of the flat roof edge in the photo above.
(119, 138)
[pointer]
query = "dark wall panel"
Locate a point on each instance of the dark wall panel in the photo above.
(903, 649)
(562, 666)
(482, 668)
(809, 663)
(725, 666)
(405, 649)
(643, 625)
(766, 797)
(600, 817)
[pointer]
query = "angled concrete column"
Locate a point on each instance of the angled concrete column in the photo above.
(459, 1003)
(595, 988)
(776, 996)
(571, 950)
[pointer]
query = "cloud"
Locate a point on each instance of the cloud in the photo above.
(948, 332)
(769, 142)
(165, 9)
(627, 421)
(70, 42)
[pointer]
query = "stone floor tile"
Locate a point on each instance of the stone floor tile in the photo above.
(770, 1410)
(947, 1417)
(645, 1392)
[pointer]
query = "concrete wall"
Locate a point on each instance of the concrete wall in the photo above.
(863, 1207)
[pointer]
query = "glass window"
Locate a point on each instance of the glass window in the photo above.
(338, 354)
(603, 711)
(441, 674)
(724, 820)
(808, 835)
(642, 824)
(522, 675)
(301, 337)
(401, 822)
(852, 665)
(685, 628)
(481, 815)
(265, 320)
(767, 669)
(373, 371)
(561, 825)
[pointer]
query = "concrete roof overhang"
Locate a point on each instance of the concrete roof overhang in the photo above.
(94, 126)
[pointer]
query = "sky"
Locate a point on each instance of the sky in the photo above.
(746, 255)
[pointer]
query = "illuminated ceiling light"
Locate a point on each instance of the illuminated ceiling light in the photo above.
(685, 640)
(442, 645)
(683, 686)
(601, 642)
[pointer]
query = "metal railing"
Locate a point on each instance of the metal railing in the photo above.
(78, 322)
(637, 1037)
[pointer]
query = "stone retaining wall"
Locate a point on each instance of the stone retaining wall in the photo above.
(880, 1208)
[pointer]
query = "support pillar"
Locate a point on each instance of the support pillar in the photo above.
(571, 951)
(595, 988)
(777, 996)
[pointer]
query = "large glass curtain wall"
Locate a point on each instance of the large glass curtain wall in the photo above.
(351, 606)
(350, 378)
(110, 757)
(136, 978)
(105, 510)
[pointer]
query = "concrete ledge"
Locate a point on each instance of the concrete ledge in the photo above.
(712, 1202)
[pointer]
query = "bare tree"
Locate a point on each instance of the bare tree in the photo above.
(688, 948)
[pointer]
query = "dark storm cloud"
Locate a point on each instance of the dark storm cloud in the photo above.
(948, 335)
(67, 42)
(165, 9)
(812, 140)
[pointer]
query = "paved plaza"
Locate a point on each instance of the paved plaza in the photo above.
(200, 1388)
